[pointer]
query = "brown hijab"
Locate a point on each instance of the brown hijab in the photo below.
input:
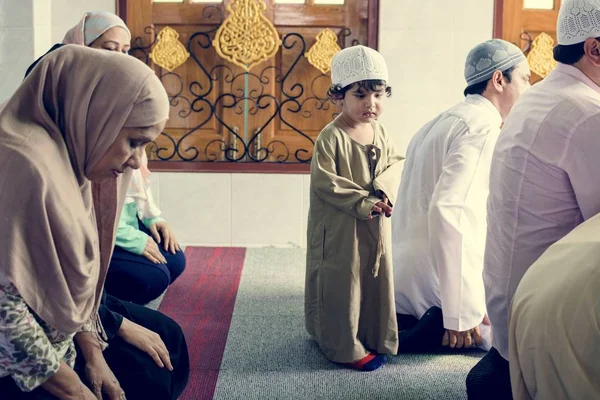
(56, 127)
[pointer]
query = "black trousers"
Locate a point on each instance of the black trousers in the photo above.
(490, 378)
(134, 278)
(421, 336)
(138, 374)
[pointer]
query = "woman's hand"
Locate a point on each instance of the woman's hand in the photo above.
(152, 252)
(161, 228)
(147, 341)
(100, 378)
(66, 385)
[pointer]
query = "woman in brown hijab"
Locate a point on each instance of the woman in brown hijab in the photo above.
(81, 116)
(146, 259)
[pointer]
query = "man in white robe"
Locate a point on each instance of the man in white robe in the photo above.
(439, 225)
(554, 331)
(544, 179)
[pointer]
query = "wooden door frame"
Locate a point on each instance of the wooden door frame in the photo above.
(373, 34)
(498, 10)
(121, 9)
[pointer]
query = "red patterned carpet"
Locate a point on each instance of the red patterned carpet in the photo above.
(202, 302)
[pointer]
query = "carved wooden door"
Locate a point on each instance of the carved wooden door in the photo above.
(530, 24)
(262, 115)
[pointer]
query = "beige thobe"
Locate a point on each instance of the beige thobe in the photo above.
(554, 328)
(349, 294)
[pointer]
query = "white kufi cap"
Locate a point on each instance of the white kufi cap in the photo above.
(357, 63)
(578, 20)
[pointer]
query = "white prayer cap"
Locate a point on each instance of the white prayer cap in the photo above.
(357, 63)
(490, 56)
(578, 20)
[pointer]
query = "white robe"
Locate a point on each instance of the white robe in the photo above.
(439, 224)
(544, 182)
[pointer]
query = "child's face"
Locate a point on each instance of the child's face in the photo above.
(362, 105)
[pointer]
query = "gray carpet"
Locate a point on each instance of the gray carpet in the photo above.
(154, 304)
(269, 355)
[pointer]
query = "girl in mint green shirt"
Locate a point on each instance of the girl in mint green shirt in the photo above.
(147, 257)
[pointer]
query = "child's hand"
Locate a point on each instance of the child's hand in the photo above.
(381, 207)
(387, 202)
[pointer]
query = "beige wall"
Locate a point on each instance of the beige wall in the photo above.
(28, 28)
(425, 43)
(16, 43)
(66, 13)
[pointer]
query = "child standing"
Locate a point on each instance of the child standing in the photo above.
(355, 174)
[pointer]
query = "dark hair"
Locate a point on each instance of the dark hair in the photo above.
(337, 92)
(569, 54)
(480, 87)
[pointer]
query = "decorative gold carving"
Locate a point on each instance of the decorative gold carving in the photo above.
(246, 37)
(169, 53)
(321, 53)
(541, 60)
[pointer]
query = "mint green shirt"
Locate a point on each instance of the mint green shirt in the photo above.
(129, 236)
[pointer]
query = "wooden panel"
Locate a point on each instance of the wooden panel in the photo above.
(283, 14)
(265, 108)
(512, 21)
(305, 15)
(540, 20)
(169, 14)
(249, 168)
(139, 14)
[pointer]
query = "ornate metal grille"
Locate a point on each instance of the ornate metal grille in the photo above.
(295, 98)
